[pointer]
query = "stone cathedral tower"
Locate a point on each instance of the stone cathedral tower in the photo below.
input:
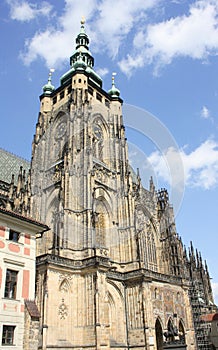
(111, 272)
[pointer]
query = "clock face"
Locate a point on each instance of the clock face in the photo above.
(61, 129)
(97, 131)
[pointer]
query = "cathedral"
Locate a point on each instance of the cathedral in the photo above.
(111, 270)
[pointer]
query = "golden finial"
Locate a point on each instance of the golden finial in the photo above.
(50, 74)
(113, 77)
(83, 20)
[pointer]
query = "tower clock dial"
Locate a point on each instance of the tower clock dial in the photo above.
(61, 130)
(97, 131)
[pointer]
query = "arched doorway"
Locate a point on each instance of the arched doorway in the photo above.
(181, 332)
(159, 335)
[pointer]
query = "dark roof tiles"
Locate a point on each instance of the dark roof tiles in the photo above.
(32, 308)
(10, 164)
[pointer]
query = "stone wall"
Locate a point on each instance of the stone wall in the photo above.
(31, 329)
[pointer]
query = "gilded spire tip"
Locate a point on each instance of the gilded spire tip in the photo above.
(113, 76)
(50, 74)
(82, 20)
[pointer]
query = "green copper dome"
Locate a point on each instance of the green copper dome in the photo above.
(114, 92)
(49, 88)
(80, 63)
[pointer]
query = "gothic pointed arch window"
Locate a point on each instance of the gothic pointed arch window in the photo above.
(159, 335)
(146, 236)
(151, 250)
(98, 141)
(58, 137)
(101, 221)
(171, 332)
(181, 332)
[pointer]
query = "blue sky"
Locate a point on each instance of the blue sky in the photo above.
(165, 55)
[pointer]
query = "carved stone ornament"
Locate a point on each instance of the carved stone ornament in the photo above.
(61, 130)
(63, 311)
(64, 287)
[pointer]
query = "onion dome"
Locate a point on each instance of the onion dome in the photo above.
(49, 88)
(114, 92)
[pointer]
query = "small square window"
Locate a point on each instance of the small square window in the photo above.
(54, 99)
(8, 335)
(11, 284)
(14, 236)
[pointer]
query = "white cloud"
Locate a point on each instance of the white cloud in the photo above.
(107, 25)
(205, 113)
(115, 22)
(55, 44)
(102, 72)
(131, 34)
(24, 11)
(194, 35)
(200, 165)
(45, 45)
(214, 286)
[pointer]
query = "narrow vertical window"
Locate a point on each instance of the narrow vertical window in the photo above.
(11, 284)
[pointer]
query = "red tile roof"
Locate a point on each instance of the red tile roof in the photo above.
(25, 218)
(209, 317)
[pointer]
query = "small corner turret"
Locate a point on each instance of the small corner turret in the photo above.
(114, 92)
(49, 88)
